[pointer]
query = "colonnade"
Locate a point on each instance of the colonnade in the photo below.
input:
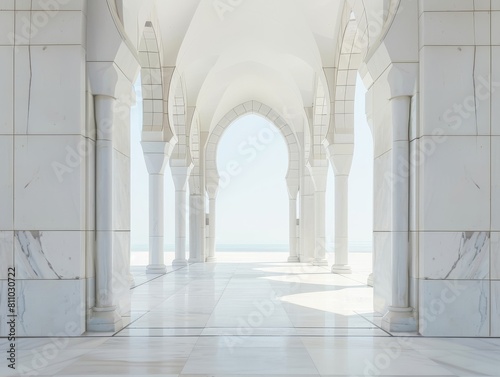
(307, 213)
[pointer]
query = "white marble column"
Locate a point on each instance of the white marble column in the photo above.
(340, 156)
(341, 265)
(292, 193)
(197, 207)
(212, 187)
(180, 175)
(211, 229)
(307, 218)
(369, 280)
(104, 315)
(156, 155)
(196, 228)
(320, 180)
(400, 316)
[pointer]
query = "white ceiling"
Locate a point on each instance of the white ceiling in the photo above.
(272, 51)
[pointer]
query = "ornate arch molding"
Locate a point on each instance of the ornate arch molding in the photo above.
(181, 119)
(349, 58)
(373, 26)
(251, 107)
(342, 81)
(194, 144)
(152, 80)
(155, 105)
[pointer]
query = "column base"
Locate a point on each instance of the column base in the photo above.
(319, 262)
(341, 269)
(157, 269)
(131, 280)
(211, 259)
(293, 260)
(399, 320)
(369, 281)
(104, 320)
(180, 263)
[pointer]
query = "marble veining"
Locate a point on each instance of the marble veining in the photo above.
(32, 261)
(454, 255)
(483, 308)
(472, 251)
(6, 253)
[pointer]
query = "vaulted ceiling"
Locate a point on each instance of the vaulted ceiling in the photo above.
(231, 51)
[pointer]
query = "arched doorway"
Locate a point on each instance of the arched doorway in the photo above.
(252, 205)
(218, 177)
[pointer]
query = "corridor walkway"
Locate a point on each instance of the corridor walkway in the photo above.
(243, 318)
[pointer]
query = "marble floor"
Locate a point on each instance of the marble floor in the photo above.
(252, 314)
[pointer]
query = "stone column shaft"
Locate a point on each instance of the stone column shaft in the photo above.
(104, 315)
(400, 316)
(156, 224)
(156, 154)
(211, 229)
(180, 175)
(294, 257)
(341, 265)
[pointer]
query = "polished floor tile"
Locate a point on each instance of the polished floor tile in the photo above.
(249, 315)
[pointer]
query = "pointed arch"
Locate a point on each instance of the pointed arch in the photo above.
(258, 108)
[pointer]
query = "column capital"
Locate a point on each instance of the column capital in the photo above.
(402, 79)
(340, 156)
(320, 176)
(400, 109)
(180, 175)
(293, 191)
(307, 187)
(107, 79)
(212, 185)
(293, 186)
(156, 154)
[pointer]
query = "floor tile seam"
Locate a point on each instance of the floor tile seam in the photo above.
(229, 278)
(149, 311)
(157, 277)
(373, 323)
(310, 356)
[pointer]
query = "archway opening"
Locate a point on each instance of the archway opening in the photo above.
(252, 203)
(139, 193)
(360, 218)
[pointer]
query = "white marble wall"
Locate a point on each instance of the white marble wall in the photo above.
(121, 218)
(382, 136)
(457, 179)
(44, 166)
(455, 172)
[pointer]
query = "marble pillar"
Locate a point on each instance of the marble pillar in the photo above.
(400, 316)
(292, 193)
(180, 175)
(156, 155)
(340, 156)
(320, 179)
(197, 207)
(307, 217)
(211, 229)
(105, 316)
(196, 228)
(341, 265)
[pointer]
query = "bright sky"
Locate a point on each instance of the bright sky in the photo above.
(252, 206)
